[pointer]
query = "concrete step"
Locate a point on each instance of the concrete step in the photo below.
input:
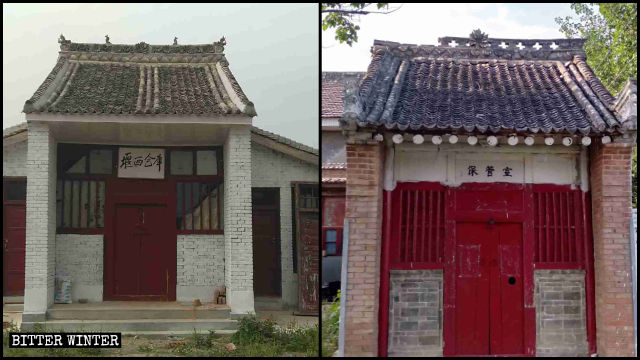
(268, 303)
(172, 335)
(12, 308)
(106, 313)
(136, 325)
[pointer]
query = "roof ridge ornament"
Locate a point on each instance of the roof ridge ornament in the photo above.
(64, 43)
(175, 40)
(478, 39)
(106, 40)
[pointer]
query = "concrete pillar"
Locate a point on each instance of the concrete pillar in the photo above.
(41, 223)
(365, 168)
(238, 247)
(611, 211)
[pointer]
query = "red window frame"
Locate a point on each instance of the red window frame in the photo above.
(171, 179)
(338, 240)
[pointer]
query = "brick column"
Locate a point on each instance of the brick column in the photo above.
(365, 168)
(40, 252)
(238, 247)
(611, 211)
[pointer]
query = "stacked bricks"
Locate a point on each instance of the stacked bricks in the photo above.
(40, 252)
(270, 168)
(200, 266)
(561, 326)
(365, 168)
(238, 249)
(610, 177)
(415, 313)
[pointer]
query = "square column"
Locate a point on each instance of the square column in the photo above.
(365, 168)
(238, 241)
(40, 252)
(611, 212)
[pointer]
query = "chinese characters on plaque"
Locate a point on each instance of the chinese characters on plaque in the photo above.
(144, 163)
(489, 171)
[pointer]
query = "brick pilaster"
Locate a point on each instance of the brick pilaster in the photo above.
(365, 168)
(40, 251)
(238, 248)
(611, 210)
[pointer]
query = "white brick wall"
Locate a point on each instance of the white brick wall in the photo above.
(14, 159)
(81, 257)
(41, 221)
(200, 266)
(275, 169)
(238, 249)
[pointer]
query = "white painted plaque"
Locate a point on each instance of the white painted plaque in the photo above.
(142, 163)
(471, 170)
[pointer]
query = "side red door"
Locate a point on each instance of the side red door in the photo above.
(489, 293)
(13, 234)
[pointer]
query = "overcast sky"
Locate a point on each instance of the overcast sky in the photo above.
(272, 50)
(425, 23)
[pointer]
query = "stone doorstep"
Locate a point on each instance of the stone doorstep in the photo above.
(75, 313)
(136, 325)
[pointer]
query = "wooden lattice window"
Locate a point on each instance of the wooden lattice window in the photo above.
(558, 225)
(418, 235)
(81, 187)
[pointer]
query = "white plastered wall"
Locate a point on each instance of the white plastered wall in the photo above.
(14, 159)
(274, 169)
(200, 266)
(448, 164)
(81, 259)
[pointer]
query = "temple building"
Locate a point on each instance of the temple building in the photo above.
(488, 202)
(138, 176)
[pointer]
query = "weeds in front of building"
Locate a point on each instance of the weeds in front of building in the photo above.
(330, 326)
(253, 338)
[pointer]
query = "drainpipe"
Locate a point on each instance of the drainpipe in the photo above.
(343, 288)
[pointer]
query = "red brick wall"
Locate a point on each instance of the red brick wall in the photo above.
(365, 168)
(611, 201)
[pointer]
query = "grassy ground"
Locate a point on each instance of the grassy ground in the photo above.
(330, 317)
(253, 338)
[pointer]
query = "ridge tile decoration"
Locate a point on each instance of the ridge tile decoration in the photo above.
(140, 79)
(479, 84)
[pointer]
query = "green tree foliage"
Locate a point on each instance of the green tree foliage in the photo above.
(341, 17)
(634, 177)
(611, 33)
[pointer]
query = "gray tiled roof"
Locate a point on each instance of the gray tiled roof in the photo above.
(140, 79)
(284, 140)
(483, 88)
(13, 130)
(333, 91)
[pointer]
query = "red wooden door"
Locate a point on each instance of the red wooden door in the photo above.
(14, 249)
(266, 253)
(489, 294)
(13, 236)
(141, 250)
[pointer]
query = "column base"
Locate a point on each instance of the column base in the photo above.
(240, 301)
(33, 317)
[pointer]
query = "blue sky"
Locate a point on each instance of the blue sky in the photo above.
(272, 50)
(424, 23)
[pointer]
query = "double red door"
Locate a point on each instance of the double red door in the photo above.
(141, 250)
(489, 315)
